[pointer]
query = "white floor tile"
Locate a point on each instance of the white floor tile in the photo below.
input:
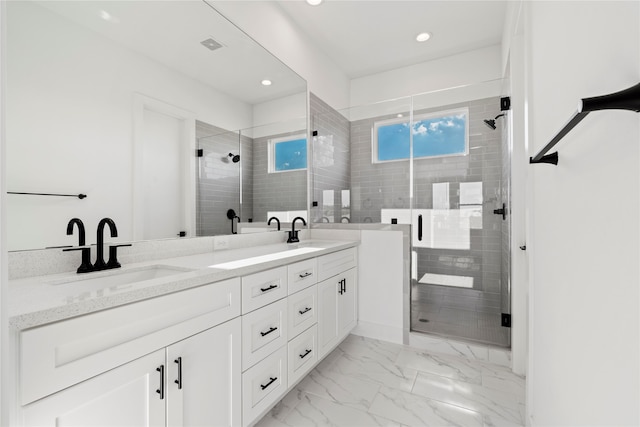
(412, 410)
(446, 366)
(316, 411)
(366, 382)
(490, 403)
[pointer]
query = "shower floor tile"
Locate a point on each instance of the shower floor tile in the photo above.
(464, 319)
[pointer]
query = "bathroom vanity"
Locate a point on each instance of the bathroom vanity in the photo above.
(185, 341)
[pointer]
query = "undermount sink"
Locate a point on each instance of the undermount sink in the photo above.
(111, 278)
(265, 258)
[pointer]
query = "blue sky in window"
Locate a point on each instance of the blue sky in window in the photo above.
(435, 136)
(291, 155)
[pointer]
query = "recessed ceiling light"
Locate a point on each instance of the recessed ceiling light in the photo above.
(314, 2)
(108, 17)
(399, 115)
(423, 37)
(266, 82)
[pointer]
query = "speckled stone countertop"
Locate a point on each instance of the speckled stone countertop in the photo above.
(36, 301)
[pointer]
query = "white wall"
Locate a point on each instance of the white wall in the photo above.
(584, 246)
(270, 26)
(471, 67)
(70, 123)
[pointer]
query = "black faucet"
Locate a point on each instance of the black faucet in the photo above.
(277, 220)
(113, 258)
(293, 234)
(85, 266)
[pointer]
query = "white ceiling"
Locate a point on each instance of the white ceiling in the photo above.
(370, 36)
(170, 33)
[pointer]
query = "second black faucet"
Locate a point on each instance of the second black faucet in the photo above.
(293, 234)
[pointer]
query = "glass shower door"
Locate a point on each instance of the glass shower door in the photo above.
(218, 180)
(457, 240)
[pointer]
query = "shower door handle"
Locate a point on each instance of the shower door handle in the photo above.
(502, 211)
(420, 228)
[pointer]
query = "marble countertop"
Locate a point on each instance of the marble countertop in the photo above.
(40, 300)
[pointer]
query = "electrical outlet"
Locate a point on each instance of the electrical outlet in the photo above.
(221, 242)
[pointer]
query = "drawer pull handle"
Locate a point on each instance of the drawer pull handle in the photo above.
(304, 311)
(306, 353)
(160, 391)
(273, 286)
(269, 383)
(273, 328)
(307, 274)
(179, 380)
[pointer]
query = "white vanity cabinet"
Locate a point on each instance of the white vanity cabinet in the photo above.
(194, 382)
(220, 354)
(124, 396)
(137, 364)
(337, 298)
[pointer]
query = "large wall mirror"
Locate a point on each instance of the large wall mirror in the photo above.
(155, 110)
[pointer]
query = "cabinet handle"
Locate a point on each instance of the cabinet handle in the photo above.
(305, 310)
(273, 286)
(273, 328)
(160, 391)
(307, 274)
(306, 353)
(420, 228)
(179, 380)
(269, 383)
(343, 286)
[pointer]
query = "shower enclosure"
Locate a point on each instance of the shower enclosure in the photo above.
(430, 161)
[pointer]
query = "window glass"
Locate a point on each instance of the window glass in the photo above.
(288, 154)
(434, 135)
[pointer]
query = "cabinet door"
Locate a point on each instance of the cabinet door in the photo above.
(347, 303)
(204, 378)
(125, 396)
(327, 315)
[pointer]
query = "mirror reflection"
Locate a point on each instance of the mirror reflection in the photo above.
(153, 109)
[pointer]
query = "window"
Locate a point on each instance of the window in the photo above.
(288, 153)
(445, 133)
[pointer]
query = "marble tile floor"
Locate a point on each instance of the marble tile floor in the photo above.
(365, 382)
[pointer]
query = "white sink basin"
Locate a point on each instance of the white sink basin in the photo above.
(265, 258)
(114, 278)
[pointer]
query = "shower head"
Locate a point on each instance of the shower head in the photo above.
(492, 122)
(235, 158)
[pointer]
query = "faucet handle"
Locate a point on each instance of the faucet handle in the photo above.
(113, 255)
(85, 266)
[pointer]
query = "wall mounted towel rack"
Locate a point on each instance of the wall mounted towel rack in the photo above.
(627, 99)
(79, 196)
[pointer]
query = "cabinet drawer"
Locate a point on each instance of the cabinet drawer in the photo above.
(302, 275)
(263, 288)
(56, 356)
(303, 311)
(263, 331)
(263, 385)
(302, 354)
(335, 263)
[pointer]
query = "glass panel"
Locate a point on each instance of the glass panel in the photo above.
(363, 190)
(456, 238)
(269, 191)
(218, 181)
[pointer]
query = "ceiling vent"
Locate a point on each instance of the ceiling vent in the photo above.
(211, 44)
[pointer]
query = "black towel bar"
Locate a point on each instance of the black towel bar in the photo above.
(627, 99)
(79, 196)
